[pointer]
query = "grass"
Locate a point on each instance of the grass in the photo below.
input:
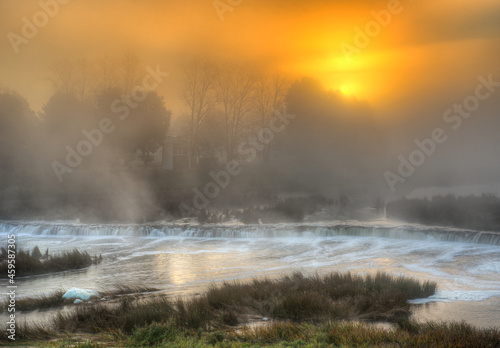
(124, 317)
(345, 334)
(290, 334)
(28, 304)
(32, 263)
(55, 298)
(332, 296)
(296, 297)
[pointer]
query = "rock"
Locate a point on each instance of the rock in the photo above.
(82, 294)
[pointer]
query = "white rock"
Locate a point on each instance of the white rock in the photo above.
(78, 301)
(82, 294)
(265, 319)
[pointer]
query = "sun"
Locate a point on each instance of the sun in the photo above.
(346, 90)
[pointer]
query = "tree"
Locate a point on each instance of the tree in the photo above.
(331, 134)
(17, 123)
(147, 126)
(268, 100)
(107, 74)
(199, 97)
(234, 89)
(74, 77)
(85, 78)
(131, 71)
(64, 118)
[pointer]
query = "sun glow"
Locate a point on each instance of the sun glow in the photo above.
(345, 90)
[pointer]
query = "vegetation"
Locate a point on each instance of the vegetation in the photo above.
(31, 263)
(312, 299)
(304, 312)
(55, 298)
(291, 209)
(472, 212)
(92, 151)
(341, 334)
(289, 334)
(332, 296)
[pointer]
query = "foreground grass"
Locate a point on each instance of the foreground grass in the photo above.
(32, 263)
(333, 296)
(289, 334)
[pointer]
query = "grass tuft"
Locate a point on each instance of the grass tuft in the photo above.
(55, 298)
(32, 263)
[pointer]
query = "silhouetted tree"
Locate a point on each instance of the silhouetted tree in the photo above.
(200, 98)
(234, 88)
(148, 125)
(74, 77)
(268, 100)
(16, 130)
(64, 118)
(332, 134)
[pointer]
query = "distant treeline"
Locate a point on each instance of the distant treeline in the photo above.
(471, 212)
(93, 151)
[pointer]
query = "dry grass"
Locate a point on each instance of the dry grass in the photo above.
(345, 334)
(31, 263)
(55, 299)
(332, 296)
(319, 298)
(51, 300)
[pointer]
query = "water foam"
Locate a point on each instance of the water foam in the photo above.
(325, 229)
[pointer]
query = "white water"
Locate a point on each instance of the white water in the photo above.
(185, 258)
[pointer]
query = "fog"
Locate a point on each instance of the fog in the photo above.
(143, 112)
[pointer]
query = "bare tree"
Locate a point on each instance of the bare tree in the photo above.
(63, 77)
(74, 77)
(85, 78)
(85, 82)
(107, 74)
(131, 71)
(269, 99)
(199, 97)
(234, 88)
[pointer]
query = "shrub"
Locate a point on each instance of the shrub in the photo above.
(154, 334)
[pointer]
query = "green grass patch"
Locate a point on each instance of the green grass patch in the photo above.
(290, 334)
(348, 334)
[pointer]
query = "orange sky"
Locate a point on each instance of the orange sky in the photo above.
(431, 51)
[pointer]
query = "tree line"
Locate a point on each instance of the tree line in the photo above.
(332, 140)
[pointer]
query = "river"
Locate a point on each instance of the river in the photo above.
(184, 258)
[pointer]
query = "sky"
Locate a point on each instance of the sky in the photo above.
(420, 55)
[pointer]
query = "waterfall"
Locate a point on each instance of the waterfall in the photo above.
(411, 232)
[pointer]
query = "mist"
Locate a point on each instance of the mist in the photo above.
(89, 117)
